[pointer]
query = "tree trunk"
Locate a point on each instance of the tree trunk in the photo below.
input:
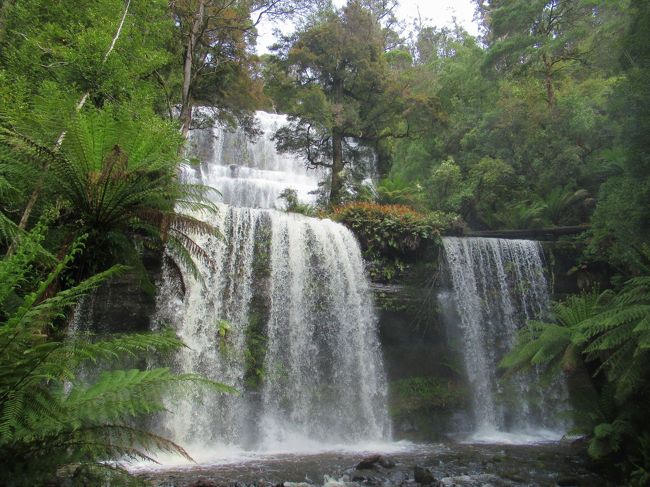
(186, 102)
(337, 167)
(186, 96)
(548, 81)
(82, 101)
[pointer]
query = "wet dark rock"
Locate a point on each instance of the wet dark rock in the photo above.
(398, 477)
(423, 476)
(568, 481)
(576, 441)
(374, 461)
(367, 476)
(387, 462)
(203, 483)
(368, 462)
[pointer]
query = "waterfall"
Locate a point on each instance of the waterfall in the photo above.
(498, 284)
(284, 315)
(250, 173)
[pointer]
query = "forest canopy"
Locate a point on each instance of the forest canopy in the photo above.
(542, 121)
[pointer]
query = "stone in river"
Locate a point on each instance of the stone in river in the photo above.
(424, 476)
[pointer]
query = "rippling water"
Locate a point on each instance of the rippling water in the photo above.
(543, 464)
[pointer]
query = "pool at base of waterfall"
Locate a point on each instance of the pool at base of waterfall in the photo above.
(406, 465)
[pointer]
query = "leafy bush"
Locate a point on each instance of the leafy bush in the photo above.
(425, 393)
(392, 235)
(609, 336)
(52, 422)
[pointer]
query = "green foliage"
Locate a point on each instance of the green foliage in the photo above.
(620, 224)
(339, 91)
(51, 420)
(117, 179)
(395, 191)
(65, 43)
(609, 334)
(392, 235)
(527, 139)
(619, 337)
(293, 205)
(555, 345)
(446, 187)
(524, 214)
(254, 356)
(561, 202)
(414, 394)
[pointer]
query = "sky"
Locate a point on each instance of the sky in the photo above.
(438, 13)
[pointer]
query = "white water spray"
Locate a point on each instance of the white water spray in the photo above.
(285, 314)
(499, 284)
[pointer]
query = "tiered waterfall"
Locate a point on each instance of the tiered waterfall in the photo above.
(284, 314)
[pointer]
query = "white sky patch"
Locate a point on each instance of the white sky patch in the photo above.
(439, 13)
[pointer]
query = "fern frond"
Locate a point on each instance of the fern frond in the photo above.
(193, 249)
(611, 339)
(84, 349)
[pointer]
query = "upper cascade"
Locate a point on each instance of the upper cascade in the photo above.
(250, 173)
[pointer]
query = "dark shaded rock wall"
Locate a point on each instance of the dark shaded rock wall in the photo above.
(569, 273)
(127, 302)
(427, 391)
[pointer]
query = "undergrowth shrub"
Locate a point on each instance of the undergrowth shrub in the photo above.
(393, 236)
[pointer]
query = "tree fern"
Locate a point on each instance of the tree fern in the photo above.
(610, 333)
(555, 345)
(51, 421)
(619, 337)
(118, 176)
(559, 203)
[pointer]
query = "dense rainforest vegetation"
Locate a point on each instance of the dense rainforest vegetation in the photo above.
(542, 121)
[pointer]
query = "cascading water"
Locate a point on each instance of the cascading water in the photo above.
(285, 314)
(498, 284)
(250, 173)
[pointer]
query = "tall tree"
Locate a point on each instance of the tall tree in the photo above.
(217, 38)
(539, 35)
(337, 89)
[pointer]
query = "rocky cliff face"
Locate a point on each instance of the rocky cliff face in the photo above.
(568, 274)
(427, 386)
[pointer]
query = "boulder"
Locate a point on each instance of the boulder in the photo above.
(367, 476)
(424, 476)
(373, 461)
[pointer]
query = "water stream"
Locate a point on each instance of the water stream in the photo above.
(284, 315)
(498, 285)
